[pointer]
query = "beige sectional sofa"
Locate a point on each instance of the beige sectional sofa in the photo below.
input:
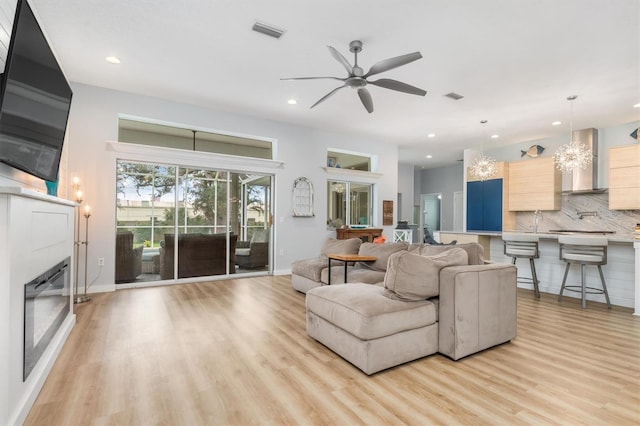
(310, 273)
(431, 299)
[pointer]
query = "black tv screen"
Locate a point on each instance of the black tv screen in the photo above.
(35, 100)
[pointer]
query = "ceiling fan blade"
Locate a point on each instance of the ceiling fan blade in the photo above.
(399, 86)
(312, 78)
(365, 97)
(338, 57)
(328, 95)
(391, 63)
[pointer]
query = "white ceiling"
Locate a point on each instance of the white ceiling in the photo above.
(515, 62)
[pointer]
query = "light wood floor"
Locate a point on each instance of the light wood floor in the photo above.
(236, 352)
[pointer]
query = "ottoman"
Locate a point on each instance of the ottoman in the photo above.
(369, 330)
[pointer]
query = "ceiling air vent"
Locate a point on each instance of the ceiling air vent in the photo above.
(454, 96)
(267, 30)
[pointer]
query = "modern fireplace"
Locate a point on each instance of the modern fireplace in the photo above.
(46, 305)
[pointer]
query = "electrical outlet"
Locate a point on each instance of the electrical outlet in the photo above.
(101, 261)
(281, 252)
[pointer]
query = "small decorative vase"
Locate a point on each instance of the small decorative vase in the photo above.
(52, 187)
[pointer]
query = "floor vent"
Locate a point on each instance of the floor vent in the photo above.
(267, 30)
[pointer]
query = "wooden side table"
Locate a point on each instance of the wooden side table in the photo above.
(346, 258)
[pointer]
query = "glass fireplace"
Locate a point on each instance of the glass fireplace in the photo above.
(46, 305)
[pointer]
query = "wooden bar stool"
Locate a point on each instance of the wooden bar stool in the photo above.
(524, 246)
(591, 250)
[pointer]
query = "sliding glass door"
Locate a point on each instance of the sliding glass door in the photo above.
(220, 219)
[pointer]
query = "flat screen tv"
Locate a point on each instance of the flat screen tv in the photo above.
(35, 98)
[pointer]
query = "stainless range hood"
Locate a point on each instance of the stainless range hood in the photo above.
(585, 181)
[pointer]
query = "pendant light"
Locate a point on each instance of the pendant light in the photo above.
(483, 167)
(573, 155)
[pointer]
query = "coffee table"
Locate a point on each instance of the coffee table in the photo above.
(346, 258)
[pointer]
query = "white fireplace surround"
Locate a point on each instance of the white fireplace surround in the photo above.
(36, 233)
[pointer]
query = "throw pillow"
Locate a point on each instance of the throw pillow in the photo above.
(474, 251)
(333, 246)
(381, 252)
(414, 277)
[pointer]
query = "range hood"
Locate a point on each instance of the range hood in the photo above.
(585, 181)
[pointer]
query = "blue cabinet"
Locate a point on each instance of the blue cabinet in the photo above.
(484, 205)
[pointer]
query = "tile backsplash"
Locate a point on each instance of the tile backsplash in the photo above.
(596, 216)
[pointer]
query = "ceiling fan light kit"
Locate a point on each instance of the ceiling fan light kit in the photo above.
(358, 80)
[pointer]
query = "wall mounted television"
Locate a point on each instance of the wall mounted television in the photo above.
(35, 98)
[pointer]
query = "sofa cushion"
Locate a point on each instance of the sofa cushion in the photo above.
(243, 251)
(309, 268)
(475, 251)
(362, 310)
(414, 277)
(381, 252)
(354, 275)
(333, 246)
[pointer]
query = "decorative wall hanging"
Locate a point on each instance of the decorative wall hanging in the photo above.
(533, 151)
(387, 212)
(302, 198)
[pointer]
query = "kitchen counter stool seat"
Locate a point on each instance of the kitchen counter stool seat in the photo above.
(523, 246)
(590, 250)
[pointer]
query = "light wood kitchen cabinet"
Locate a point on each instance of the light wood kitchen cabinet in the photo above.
(624, 177)
(534, 184)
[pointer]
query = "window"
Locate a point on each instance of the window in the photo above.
(221, 219)
(143, 133)
(349, 203)
(350, 161)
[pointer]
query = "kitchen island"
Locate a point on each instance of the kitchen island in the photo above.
(622, 272)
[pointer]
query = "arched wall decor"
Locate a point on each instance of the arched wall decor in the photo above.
(302, 198)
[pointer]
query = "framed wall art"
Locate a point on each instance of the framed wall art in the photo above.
(387, 212)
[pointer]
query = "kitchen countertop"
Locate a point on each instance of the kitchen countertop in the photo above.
(614, 238)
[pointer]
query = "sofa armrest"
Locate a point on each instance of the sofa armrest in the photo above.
(477, 308)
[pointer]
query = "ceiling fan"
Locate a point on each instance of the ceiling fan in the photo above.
(357, 79)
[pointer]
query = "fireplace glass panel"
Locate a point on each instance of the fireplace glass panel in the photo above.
(46, 305)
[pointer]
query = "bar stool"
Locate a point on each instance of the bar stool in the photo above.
(590, 250)
(524, 246)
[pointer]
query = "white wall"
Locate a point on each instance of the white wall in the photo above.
(405, 189)
(444, 180)
(94, 120)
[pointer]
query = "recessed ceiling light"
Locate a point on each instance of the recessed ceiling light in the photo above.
(292, 102)
(429, 156)
(637, 105)
(556, 123)
(112, 60)
(495, 136)
(431, 135)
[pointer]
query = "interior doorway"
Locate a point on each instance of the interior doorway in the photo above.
(431, 214)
